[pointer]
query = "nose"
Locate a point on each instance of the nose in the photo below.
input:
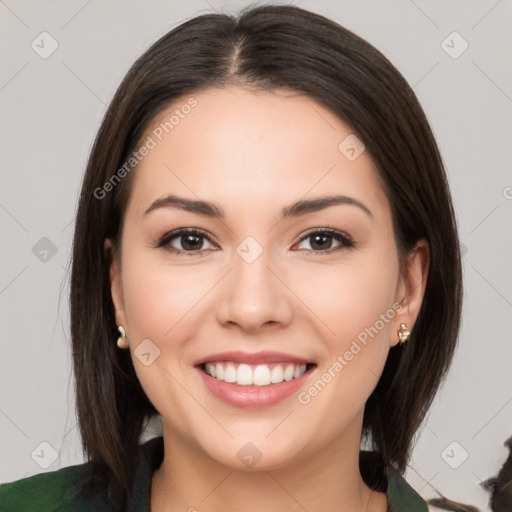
(254, 296)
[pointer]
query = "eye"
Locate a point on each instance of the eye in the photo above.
(189, 241)
(322, 240)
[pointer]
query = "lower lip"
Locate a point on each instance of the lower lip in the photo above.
(254, 397)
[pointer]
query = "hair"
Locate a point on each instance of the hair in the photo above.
(264, 47)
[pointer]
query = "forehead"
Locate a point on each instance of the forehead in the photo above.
(251, 147)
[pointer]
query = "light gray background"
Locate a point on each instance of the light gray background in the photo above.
(51, 109)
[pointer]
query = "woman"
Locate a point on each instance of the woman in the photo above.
(266, 228)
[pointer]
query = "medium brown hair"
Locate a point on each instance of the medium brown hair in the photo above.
(266, 47)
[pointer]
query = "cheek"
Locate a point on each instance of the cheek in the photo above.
(158, 297)
(352, 298)
(367, 295)
(357, 304)
(161, 304)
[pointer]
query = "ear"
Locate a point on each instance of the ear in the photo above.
(116, 290)
(411, 287)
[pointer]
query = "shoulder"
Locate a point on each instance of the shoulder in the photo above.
(66, 490)
(401, 496)
(54, 491)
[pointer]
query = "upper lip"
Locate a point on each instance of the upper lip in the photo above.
(262, 357)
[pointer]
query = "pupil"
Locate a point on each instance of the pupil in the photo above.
(187, 238)
(321, 237)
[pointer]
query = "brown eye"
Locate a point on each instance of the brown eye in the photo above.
(184, 241)
(321, 241)
(190, 242)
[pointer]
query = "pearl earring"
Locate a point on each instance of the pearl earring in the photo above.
(121, 341)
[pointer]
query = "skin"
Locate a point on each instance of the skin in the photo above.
(253, 153)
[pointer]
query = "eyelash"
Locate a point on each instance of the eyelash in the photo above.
(332, 233)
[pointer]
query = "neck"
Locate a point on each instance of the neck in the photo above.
(188, 480)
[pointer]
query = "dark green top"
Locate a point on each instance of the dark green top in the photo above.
(63, 491)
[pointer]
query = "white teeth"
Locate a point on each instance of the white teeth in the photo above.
(219, 371)
(244, 375)
(259, 375)
(210, 369)
(230, 373)
(276, 375)
(288, 373)
(299, 370)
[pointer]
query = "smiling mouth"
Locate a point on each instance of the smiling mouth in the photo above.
(258, 375)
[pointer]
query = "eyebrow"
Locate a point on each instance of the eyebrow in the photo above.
(294, 210)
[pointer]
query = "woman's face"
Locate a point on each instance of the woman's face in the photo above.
(258, 288)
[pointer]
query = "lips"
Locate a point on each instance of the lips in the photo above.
(263, 357)
(254, 380)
